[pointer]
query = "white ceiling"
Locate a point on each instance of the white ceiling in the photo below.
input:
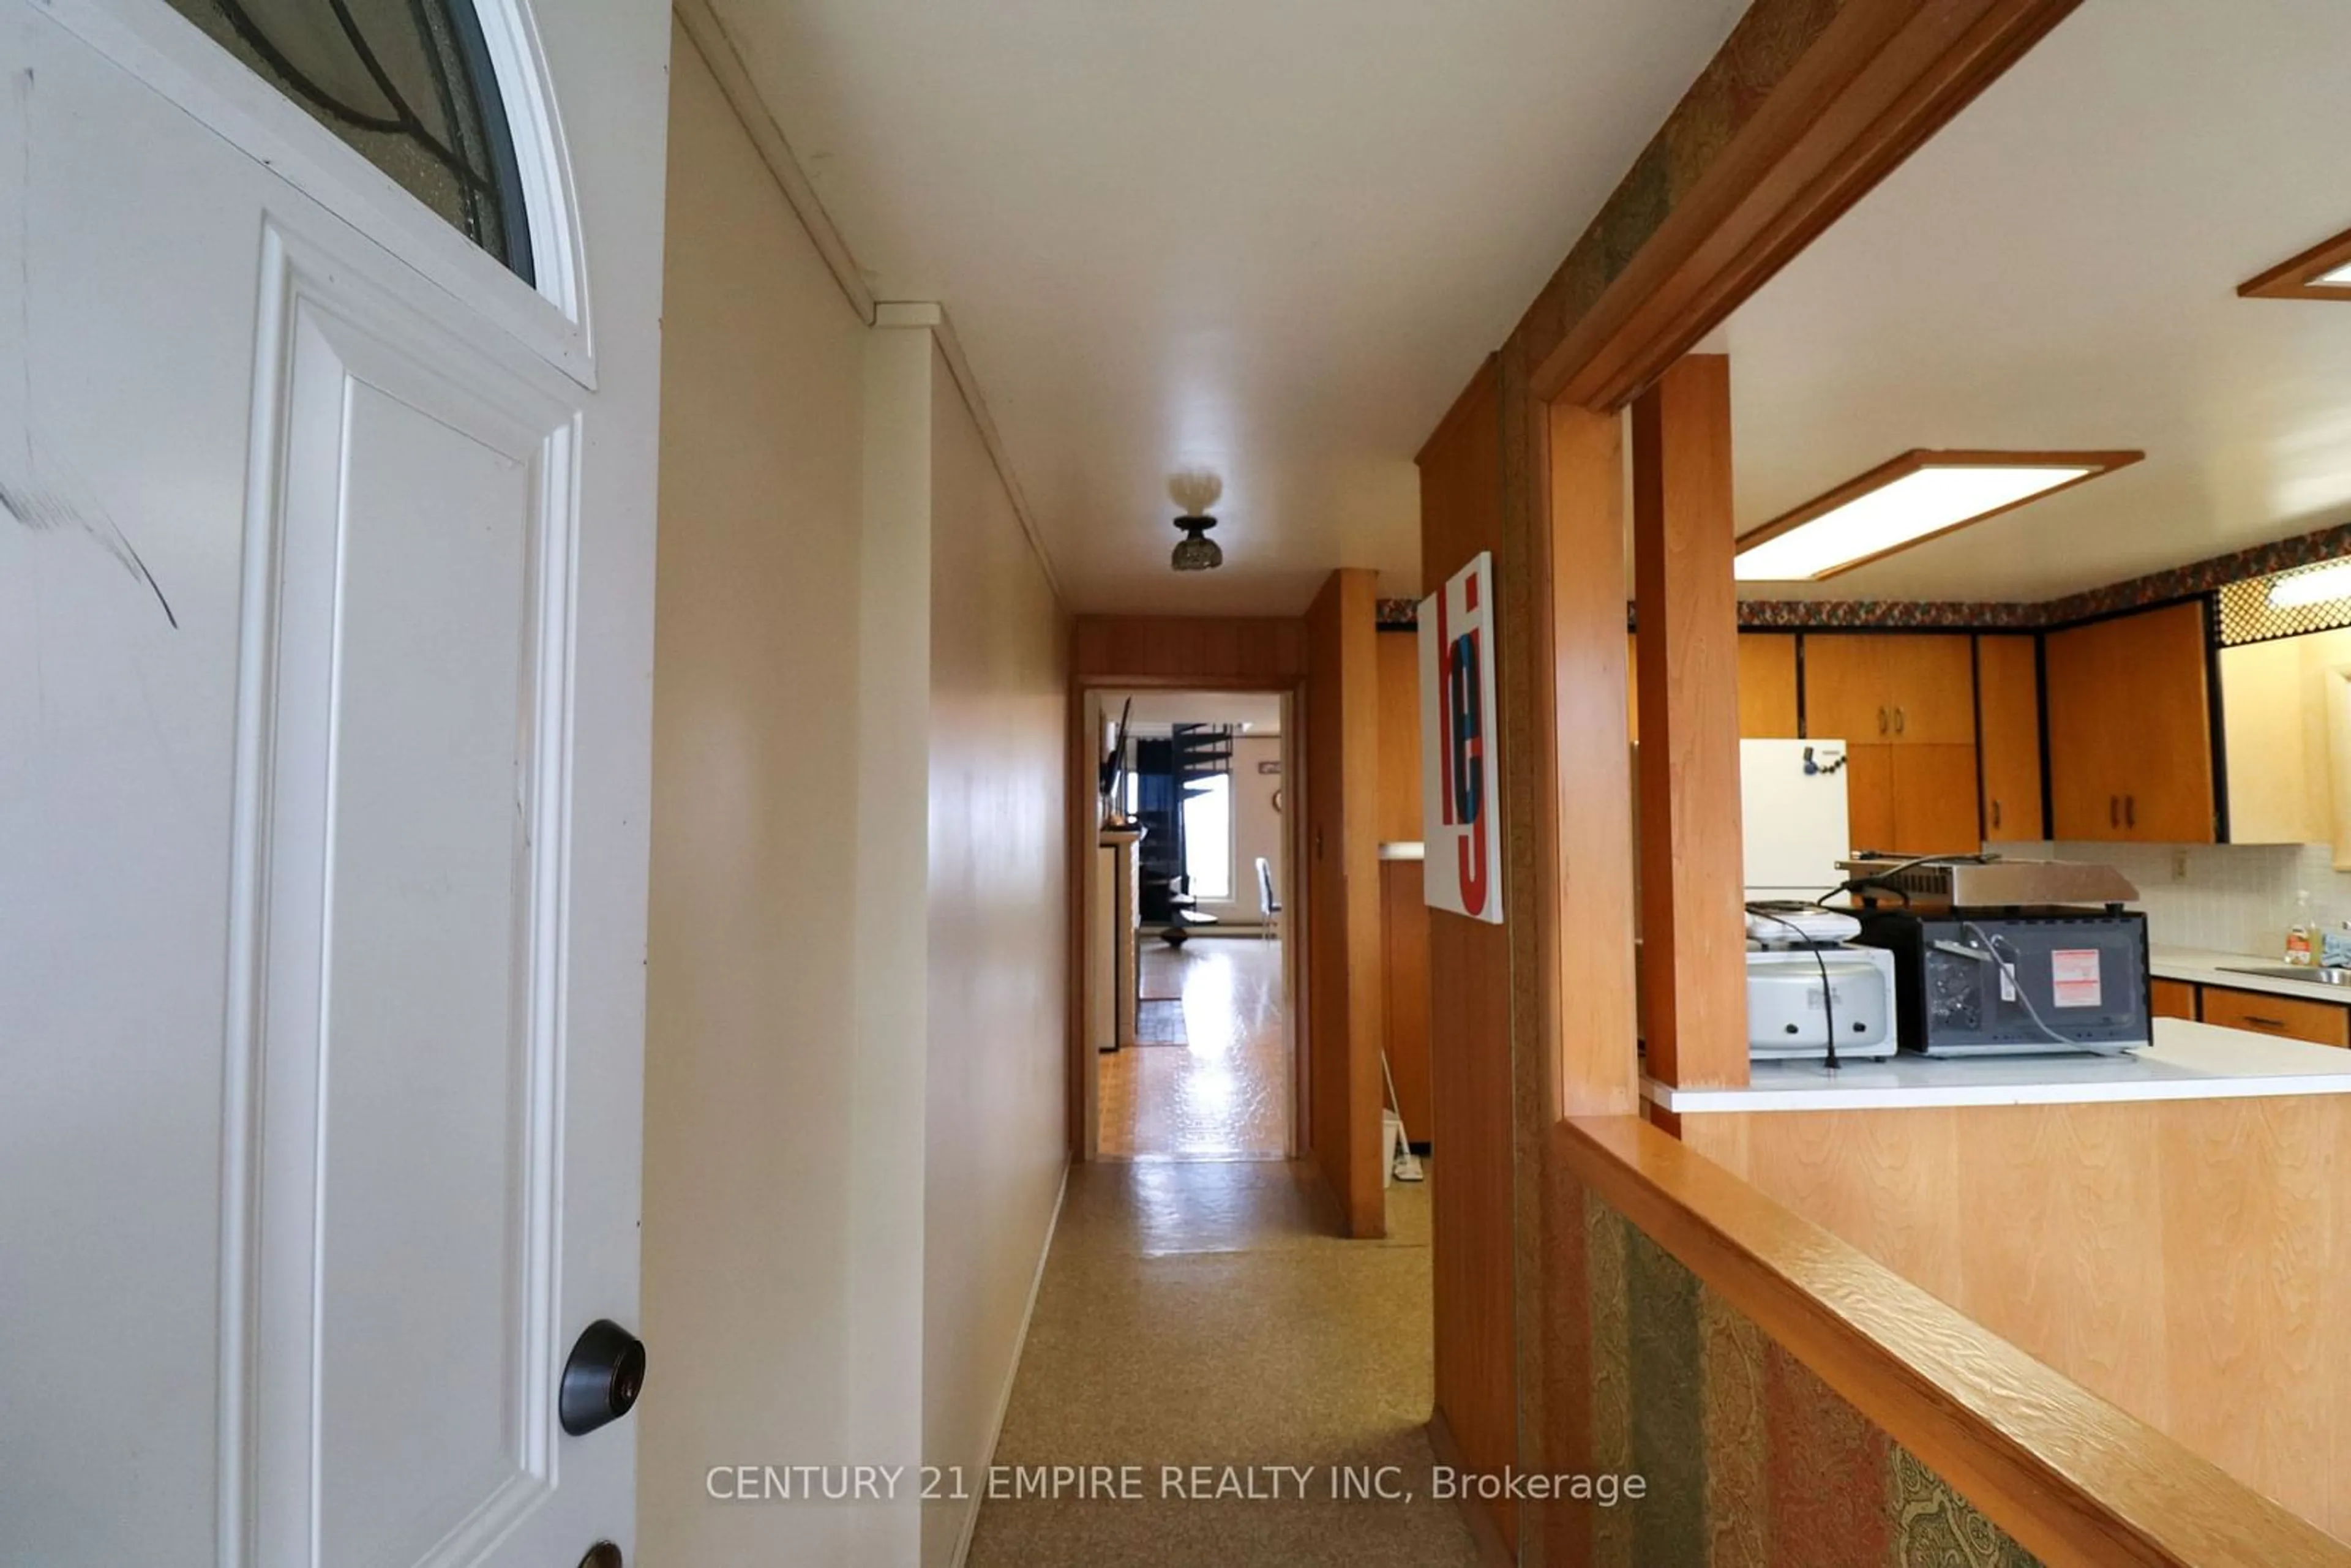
(1273, 237)
(2058, 268)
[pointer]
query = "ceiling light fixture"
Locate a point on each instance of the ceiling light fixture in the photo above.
(1919, 496)
(2315, 586)
(2321, 272)
(1195, 492)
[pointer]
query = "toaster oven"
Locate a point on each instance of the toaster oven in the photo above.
(1790, 1016)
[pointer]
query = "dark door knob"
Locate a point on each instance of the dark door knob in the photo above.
(602, 1379)
(603, 1555)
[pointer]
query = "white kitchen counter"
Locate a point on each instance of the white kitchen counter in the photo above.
(2200, 966)
(2187, 1061)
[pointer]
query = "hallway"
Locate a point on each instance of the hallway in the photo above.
(1193, 1313)
(1216, 1084)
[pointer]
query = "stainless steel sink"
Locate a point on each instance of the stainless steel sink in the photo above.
(2311, 976)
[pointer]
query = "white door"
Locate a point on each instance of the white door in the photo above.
(322, 1138)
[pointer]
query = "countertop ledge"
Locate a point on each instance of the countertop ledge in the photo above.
(2202, 967)
(2187, 1061)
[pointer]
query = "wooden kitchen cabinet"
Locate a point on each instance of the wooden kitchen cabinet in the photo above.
(2289, 1017)
(1767, 685)
(1890, 687)
(2131, 728)
(2008, 706)
(2172, 999)
(1905, 707)
(1912, 800)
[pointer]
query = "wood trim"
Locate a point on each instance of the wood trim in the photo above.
(1339, 798)
(1178, 653)
(1883, 77)
(2294, 279)
(1692, 930)
(2099, 464)
(1587, 817)
(1203, 653)
(1485, 1533)
(2072, 1477)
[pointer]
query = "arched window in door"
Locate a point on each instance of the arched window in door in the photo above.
(406, 82)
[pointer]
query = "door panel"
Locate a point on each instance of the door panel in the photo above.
(2009, 695)
(2131, 739)
(1930, 685)
(2172, 999)
(290, 877)
(1869, 797)
(1767, 685)
(2168, 794)
(405, 1253)
(2088, 761)
(1844, 689)
(1934, 799)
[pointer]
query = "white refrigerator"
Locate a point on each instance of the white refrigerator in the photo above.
(1792, 798)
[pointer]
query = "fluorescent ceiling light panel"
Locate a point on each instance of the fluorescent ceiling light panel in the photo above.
(2316, 587)
(1914, 498)
(2321, 272)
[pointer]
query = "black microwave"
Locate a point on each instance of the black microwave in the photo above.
(2016, 982)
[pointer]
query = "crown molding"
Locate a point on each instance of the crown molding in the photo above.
(929, 315)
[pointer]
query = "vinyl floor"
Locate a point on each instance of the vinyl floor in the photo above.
(1192, 1313)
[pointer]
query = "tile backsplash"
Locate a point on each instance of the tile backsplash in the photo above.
(2235, 898)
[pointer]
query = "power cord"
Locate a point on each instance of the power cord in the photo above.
(1828, 991)
(2007, 966)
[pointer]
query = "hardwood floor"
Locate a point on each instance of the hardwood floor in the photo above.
(1225, 1093)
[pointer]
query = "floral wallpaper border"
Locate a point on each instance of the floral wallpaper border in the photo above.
(2156, 587)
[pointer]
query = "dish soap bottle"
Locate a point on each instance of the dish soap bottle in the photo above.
(2298, 935)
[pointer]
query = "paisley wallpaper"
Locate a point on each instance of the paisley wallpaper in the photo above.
(1748, 1457)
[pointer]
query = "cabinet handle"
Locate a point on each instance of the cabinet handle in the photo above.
(2131, 810)
(2259, 1022)
(2114, 811)
(1901, 721)
(1995, 813)
(1881, 721)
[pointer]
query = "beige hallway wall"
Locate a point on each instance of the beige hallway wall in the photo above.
(752, 1238)
(855, 1052)
(998, 911)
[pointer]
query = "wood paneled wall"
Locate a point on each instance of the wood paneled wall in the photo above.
(1212, 652)
(2074, 1478)
(1347, 1006)
(1399, 806)
(2189, 1260)
(1404, 981)
(1803, 111)
(1470, 1030)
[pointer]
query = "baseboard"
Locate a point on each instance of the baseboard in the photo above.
(1020, 1350)
(1483, 1528)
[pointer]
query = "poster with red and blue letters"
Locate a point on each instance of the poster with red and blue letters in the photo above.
(1459, 775)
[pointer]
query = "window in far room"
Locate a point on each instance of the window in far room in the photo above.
(1209, 838)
